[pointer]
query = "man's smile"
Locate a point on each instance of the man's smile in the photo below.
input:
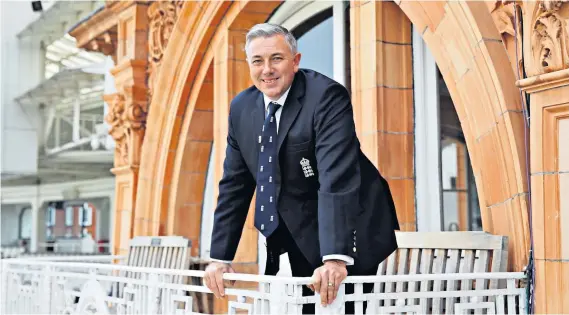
(269, 81)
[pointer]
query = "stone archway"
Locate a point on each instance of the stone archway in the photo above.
(466, 46)
(180, 126)
(474, 63)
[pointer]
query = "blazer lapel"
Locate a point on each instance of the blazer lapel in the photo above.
(290, 109)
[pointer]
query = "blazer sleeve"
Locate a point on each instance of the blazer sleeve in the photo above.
(236, 189)
(337, 156)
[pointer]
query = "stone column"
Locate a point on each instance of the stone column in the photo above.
(546, 58)
(36, 223)
(127, 118)
(382, 96)
(231, 76)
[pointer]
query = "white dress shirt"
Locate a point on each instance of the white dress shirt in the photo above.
(281, 101)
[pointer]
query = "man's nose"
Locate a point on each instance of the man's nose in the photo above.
(267, 69)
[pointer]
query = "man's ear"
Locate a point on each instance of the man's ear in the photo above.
(296, 61)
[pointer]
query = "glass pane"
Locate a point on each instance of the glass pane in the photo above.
(460, 199)
(26, 224)
(69, 216)
(50, 216)
(316, 48)
(87, 215)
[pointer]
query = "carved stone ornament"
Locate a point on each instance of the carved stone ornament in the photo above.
(127, 120)
(135, 116)
(117, 127)
(549, 39)
(115, 116)
(162, 16)
(105, 43)
(503, 14)
(551, 5)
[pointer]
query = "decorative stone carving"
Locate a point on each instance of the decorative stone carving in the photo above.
(551, 5)
(503, 14)
(549, 38)
(127, 120)
(105, 44)
(117, 126)
(162, 16)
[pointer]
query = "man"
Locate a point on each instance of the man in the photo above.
(318, 198)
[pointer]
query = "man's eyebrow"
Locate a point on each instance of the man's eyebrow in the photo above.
(273, 55)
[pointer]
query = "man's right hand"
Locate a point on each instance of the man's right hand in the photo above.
(213, 277)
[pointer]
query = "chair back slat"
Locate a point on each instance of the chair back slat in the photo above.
(442, 253)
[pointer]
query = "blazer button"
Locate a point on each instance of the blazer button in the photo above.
(354, 249)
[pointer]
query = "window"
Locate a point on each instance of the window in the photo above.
(460, 210)
(321, 30)
(315, 43)
(69, 216)
(86, 215)
(446, 195)
(50, 216)
(26, 223)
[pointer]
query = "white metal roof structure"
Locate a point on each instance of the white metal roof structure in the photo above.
(69, 99)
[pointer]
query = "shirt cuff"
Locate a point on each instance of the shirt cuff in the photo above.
(349, 260)
(222, 261)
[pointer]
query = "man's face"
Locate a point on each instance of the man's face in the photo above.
(272, 65)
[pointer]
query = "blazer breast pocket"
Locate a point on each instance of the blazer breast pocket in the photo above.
(297, 147)
(300, 172)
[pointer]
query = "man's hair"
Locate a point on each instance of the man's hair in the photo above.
(269, 30)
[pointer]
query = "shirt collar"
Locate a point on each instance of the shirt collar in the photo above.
(280, 101)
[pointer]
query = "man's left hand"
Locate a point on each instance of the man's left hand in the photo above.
(327, 280)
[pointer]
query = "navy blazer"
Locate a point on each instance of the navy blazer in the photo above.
(345, 208)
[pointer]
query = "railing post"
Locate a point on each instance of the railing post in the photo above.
(296, 307)
(45, 291)
(153, 294)
(337, 307)
(4, 293)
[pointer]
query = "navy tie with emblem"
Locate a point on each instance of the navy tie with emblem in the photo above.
(266, 217)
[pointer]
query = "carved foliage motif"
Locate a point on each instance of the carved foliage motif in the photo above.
(162, 16)
(127, 120)
(549, 38)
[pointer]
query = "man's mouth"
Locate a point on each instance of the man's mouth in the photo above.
(269, 81)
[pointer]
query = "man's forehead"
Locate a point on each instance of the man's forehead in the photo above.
(269, 45)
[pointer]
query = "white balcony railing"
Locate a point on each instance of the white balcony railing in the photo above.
(68, 286)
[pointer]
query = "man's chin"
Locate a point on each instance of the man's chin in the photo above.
(272, 93)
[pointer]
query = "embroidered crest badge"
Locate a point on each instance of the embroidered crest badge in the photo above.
(306, 168)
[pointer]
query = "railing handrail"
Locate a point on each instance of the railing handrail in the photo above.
(43, 285)
(262, 278)
(61, 258)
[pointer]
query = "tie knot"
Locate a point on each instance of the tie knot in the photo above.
(273, 107)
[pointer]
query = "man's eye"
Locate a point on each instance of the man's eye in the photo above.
(256, 62)
(277, 58)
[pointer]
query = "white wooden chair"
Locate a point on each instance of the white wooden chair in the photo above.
(443, 252)
(171, 252)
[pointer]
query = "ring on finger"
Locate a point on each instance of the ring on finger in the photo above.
(330, 284)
